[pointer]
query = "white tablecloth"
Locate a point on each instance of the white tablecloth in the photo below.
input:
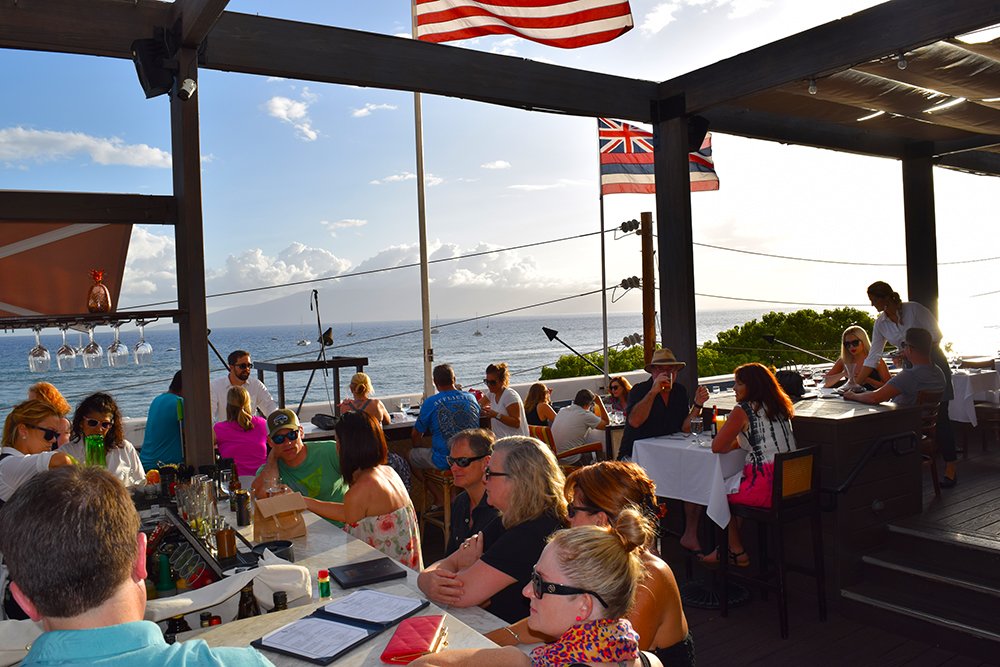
(685, 471)
(967, 386)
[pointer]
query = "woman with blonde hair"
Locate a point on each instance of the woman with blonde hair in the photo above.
(854, 348)
(98, 414)
(243, 436)
(361, 389)
(29, 433)
(582, 590)
(537, 406)
(502, 404)
(598, 494)
(525, 483)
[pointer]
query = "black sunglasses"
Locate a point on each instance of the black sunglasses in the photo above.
(571, 510)
(615, 386)
(49, 434)
(852, 343)
(93, 423)
(244, 367)
(492, 473)
(291, 436)
(490, 382)
(464, 461)
(540, 587)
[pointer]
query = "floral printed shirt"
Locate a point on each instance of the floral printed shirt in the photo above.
(395, 534)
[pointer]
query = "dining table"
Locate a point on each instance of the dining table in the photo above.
(970, 386)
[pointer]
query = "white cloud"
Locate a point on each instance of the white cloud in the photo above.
(275, 79)
(19, 144)
(560, 183)
(150, 268)
(659, 17)
(253, 268)
(506, 46)
(430, 179)
(496, 164)
(740, 8)
(294, 112)
(345, 223)
(368, 108)
(665, 13)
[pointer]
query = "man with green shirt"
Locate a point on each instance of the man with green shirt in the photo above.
(312, 469)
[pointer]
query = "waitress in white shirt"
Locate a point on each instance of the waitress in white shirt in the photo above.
(895, 318)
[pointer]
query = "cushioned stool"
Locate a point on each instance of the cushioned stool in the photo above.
(440, 517)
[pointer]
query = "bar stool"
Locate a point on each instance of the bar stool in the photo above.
(437, 517)
(929, 402)
(795, 495)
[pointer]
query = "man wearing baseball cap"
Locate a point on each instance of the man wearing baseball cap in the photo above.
(312, 469)
(659, 406)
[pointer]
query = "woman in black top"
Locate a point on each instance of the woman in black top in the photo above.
(537, 407)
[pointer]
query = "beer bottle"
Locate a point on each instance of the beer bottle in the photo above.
(248, 603)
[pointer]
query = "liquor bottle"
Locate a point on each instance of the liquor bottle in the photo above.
(280, 601)
(715, 420)
(206, 619)
(323, 579)
(248, 603)
(234, 486)
(165, 586)
(177, 625)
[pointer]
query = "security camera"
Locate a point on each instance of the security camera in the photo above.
(186, 89)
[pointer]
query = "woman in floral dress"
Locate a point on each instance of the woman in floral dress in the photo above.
(377, 508)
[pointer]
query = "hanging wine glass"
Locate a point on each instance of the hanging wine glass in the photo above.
(39, 358)
(118, 352)
(65, 355)
(93, 353)
(143, 351)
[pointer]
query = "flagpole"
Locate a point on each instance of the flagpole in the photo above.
(604, 281)
(425, 298)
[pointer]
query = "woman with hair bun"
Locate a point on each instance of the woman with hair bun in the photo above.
(597, 494)
(361, 401)
(502, 404)
(582, 590)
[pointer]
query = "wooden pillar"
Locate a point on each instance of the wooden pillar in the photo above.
(921, 231)
(674, 238)
(648, 287)
(189, 238)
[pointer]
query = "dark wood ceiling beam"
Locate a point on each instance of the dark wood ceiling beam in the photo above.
(198, 17)
(41, 206)
(973, 162)
(275, 47)
(92, 27)
(894, 26)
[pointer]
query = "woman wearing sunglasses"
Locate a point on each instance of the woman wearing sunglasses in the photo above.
(376, 509)
(502, 404)
(537, 406)
(854, 350)
(597, 494)
(524, 482)
(98, 414)
(619, 388)
(29, 434)
(581, 592)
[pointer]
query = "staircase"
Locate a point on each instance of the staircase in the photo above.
(935, 585)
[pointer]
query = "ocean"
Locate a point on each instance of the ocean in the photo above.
(394, 355)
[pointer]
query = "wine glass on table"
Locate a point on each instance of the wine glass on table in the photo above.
(65, 355)
(697, 426)
(143, 351)
(93, 352)
(39, 358)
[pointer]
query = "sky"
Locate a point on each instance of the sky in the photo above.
(305, 180)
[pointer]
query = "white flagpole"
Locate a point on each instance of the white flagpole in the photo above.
(604, 282)
(425, 298)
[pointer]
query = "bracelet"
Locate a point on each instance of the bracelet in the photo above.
(498, 417)
(699, 407)
(513, 634)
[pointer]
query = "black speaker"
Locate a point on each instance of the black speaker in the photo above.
(697, 129)
(149, 56)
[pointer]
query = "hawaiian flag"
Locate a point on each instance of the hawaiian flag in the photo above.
(627, 160)
(567, 24)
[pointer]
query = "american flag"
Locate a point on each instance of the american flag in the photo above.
(627, 160)
(567, 24)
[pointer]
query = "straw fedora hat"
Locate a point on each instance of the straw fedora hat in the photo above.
(664, 357)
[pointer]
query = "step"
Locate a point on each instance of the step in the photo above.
(969, 629)
(966, 555)
(938, 579)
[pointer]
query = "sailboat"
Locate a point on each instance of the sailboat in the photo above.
(435, 329)
(303, 342)
(477, 331)
(351, 332)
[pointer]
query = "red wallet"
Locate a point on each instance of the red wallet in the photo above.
(415, 637)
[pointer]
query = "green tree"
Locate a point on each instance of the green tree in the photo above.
(619, 361)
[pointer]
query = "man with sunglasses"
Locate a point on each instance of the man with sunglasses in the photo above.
(240, 367)
(312, 469)
(923, 375)
(470, 512)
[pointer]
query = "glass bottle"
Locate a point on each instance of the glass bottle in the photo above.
(280, 601)
(234, 486)
(206, 619)
(323, 579)
(248, 603)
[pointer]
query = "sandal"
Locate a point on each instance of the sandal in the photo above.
(738, 559)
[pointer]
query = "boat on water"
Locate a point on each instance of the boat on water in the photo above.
(303, 342)
(351, 332)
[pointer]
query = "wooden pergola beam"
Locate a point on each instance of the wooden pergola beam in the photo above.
(882, 30)
(43, 206)
(197, 17)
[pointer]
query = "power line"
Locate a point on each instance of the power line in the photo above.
(832, 261)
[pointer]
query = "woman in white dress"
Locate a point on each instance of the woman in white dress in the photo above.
(98, 414)
(502, 404)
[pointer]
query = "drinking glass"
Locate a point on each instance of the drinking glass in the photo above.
(65, 355)
(716, 389)
(118, 353)
(697, 426)
(404, 405)
(39, 358)
(93, 353)
(143, 351)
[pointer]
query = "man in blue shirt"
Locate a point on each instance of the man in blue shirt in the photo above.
(442, 415)
(162, 440)
(70, 537)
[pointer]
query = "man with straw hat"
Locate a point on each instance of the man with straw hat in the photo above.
(659, 406)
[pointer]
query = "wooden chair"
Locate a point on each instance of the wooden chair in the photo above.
(929, 402)
(544, 433)
(795, 495)
(437, 517)
(988, 418)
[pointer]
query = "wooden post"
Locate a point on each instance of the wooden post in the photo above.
(674, 238)
(648, 287)
(190, 249)
(921, 232)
